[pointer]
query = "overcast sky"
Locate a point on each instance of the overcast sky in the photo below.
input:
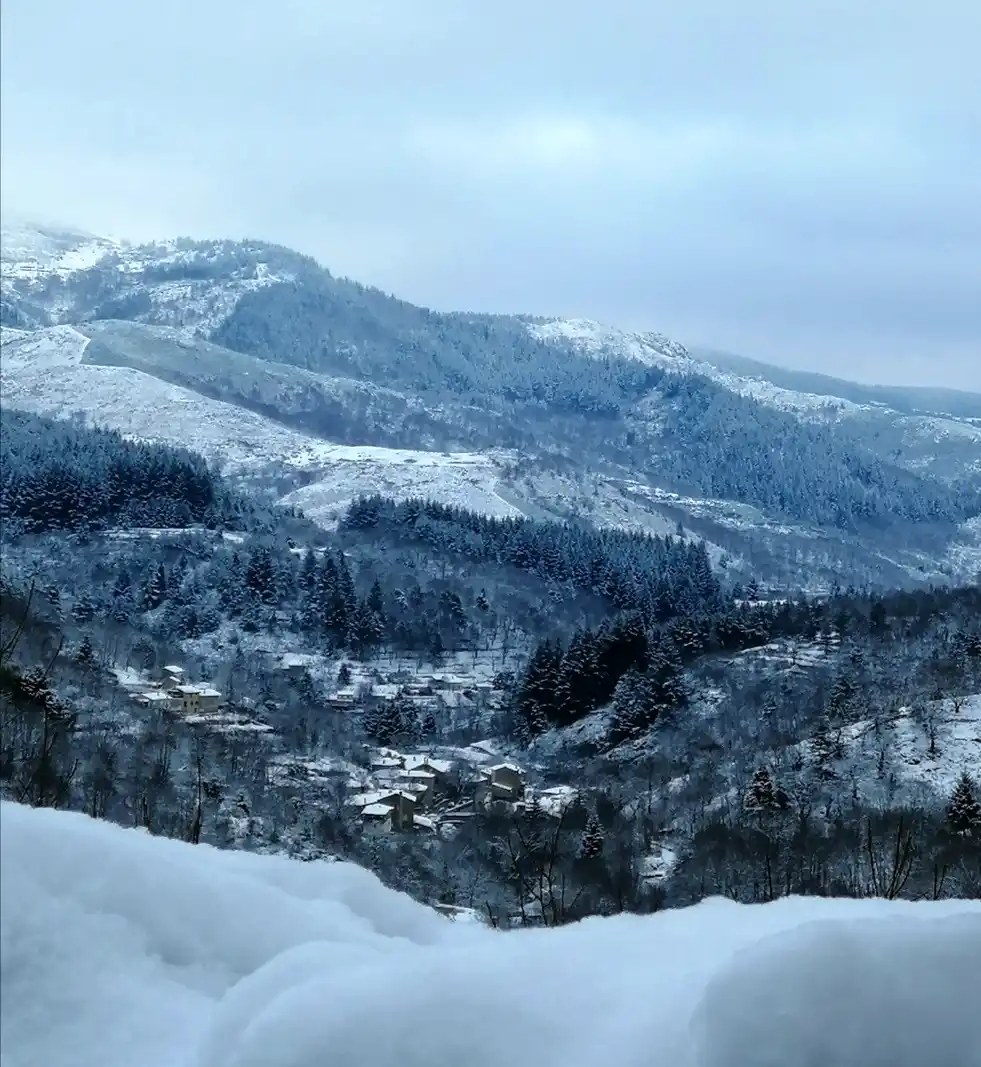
(794, 181)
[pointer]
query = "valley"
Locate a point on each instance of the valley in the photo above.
(717, 634)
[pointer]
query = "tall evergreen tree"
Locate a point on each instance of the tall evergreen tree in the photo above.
(964, 809)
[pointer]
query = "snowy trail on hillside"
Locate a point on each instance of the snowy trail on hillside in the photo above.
(122, 949)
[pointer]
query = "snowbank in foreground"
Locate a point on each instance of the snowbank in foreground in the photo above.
(119, 949)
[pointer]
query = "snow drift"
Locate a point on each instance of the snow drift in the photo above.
(121, 949)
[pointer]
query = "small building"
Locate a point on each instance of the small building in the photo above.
(422, 783)
(503, 781)
(377, 819)
(155, 698)
(401, 803)
(171, 675)
(296, 664)
(385, 690)
(386, 763)
(440, 769)
(453, 683)
(187, 698)
(209, 699)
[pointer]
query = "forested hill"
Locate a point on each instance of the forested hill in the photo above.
(595, 420)
(725, 445)
(661, 577)
(58, 475)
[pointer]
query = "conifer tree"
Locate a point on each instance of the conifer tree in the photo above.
(761, 797)
(591, 843)
(964, 809)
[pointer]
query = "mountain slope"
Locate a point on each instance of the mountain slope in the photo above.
(615, 425)
(907, 400)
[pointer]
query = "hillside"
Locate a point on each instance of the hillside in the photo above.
(695, 734)
(262, 355)
(908, 400)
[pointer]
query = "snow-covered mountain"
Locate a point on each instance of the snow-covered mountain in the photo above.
(935, 430)
(30, 250)
(258, 357)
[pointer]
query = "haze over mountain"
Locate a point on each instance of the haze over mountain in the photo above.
(798, 186)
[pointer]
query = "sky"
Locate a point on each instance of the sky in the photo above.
(796, 182)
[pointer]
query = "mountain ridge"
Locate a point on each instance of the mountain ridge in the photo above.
(261, 329)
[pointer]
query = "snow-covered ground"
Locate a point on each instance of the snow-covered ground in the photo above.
(26, 248)
(26, 353)
(141, 406)
(122, 949)
(928, 750)
(598, 340)
(43, 372)
(462, 479)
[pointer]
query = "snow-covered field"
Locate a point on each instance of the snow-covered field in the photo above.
(461, 479)
(43, 372)
(120, 949)
(26, 353)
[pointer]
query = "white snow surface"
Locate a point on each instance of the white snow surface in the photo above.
(596, 339)
(26, 352)
(462, 479)
(43, 372)
(26, 248)
(121, 949)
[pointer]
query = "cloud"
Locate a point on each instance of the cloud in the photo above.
(802, 183)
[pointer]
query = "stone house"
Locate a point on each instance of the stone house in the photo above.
(400, 804)
(186, 698)
(503, 781)
(155, 698)
(422, 784)
(209, 699)
(170, 675)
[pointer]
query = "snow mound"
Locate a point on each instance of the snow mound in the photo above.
(919, 972)
(122, 949)
(117, 946)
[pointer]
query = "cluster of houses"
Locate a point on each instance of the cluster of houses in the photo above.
(398, 793)
(411, 791)
(425, 688)
(169, 690)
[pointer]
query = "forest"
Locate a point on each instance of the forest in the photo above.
(759, 779)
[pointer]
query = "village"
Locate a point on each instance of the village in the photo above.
(385, 791)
